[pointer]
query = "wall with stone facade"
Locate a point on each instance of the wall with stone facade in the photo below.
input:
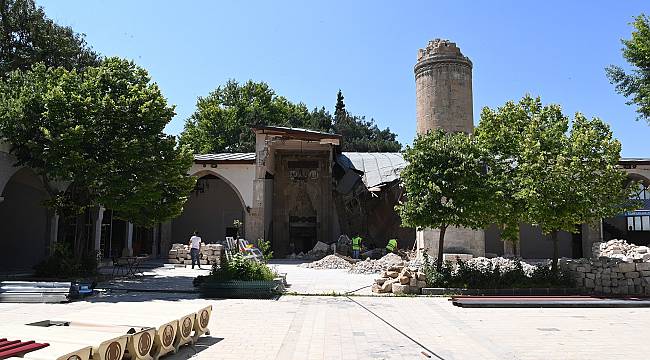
(610, 276)
(616, 267)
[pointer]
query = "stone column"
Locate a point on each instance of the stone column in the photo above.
(129, 239)
(97, 227)
(54, 232)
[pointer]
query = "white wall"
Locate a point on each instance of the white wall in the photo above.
(239, 176)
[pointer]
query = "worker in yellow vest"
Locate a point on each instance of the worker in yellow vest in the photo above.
(392, 245)
(356, 246)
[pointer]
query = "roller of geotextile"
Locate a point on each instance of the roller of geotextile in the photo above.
(140, 339)
(60, 351)
(202, 321)
(105, 346)
(190, 325)
(164, 331)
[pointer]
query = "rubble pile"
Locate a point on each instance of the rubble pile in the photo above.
(400, 280)
(209, 254)
(370, 266)
(504, 264)
(620, 249)
(318, 252)
(329, 262)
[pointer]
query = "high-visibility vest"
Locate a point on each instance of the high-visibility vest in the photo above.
(392, 244)
(356, 243)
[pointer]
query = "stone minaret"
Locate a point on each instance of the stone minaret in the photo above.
(443, 91)
(443, 88)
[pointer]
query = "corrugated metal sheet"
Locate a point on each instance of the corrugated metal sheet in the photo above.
(377, 168)
(226, 157)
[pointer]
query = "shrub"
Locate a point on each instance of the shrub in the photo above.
(478, 274)
(265, 248)
(240, 268)
(63, 264)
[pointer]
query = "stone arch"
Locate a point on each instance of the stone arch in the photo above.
(23, 221)
(7, 169)
(633, 226)
(211, 209)
(633, 176)
(201, 173)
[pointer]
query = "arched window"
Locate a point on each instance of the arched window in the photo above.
(643, 193)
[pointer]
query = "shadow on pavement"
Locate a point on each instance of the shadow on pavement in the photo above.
(202, 344)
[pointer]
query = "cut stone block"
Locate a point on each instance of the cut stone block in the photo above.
(400, 289)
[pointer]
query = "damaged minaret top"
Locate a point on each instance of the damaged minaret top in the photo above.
(443, 88)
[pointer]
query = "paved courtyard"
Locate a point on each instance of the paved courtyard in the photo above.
(301, 280)
(366, 327)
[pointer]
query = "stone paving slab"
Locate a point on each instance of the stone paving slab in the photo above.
(337, 327)
(324, 281)
(301, 280)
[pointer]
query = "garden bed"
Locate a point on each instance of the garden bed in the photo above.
(503, 292)
(238, 289)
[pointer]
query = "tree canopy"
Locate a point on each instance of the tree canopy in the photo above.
(548, 173)
(501, 134)
(445, 183)
(635, 84)
(101, 129)
(28, 36)
(222, 121)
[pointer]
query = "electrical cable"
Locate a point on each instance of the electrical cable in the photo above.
(396, 329)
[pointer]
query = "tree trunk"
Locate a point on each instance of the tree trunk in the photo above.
(80, 235)
(441, 247)
(556, 252)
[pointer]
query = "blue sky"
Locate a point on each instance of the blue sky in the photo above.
(307, 50)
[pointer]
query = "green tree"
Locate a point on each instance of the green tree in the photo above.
(446, 184)
(360, 134)
(501, 133)
(320, 119)
(635, 84)
(565, 177)
(340, 114)
(222, 120)
(27, 37)
(101, 129)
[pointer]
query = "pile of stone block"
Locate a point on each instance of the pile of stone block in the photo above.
(400, 280)
(209, 254)
(620, 249)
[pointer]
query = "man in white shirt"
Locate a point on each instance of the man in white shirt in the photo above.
(195, 247)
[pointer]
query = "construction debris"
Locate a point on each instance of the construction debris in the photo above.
(329, 262)
(209, 254)
(370, 266)
(505, 265)
(319, 251)
(400, 280)
(621, 249)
